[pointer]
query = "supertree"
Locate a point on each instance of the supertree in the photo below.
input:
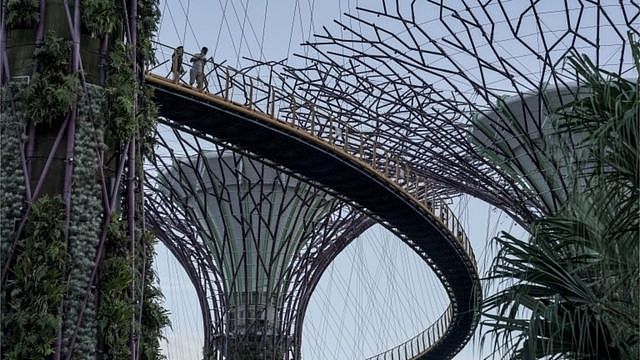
(463, 90)
(75, 122)
(253, 240)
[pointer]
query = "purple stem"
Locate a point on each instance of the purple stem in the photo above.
(98, 257)
(31, 126)
(35, 195)
(75, 61)
(47, 164)
(71, 132)
(123, 161)
(40, 31)
(132, 233)
(133, 26)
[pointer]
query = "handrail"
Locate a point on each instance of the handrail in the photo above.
(237, 88)
(419, 344)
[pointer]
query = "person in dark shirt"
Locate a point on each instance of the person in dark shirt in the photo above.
(176, 64)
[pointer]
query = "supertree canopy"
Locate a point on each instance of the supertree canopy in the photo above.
(462, 89)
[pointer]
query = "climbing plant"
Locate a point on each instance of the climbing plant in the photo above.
(116, 310)
(125, 296)
(154, 316)
(36, 284)
(85, 224)
(11, 174)
(100, 17)
(52, 90)
(149, 16)
(120, 96)
(21, 13)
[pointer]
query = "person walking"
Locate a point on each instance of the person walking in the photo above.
(176, 63)
(197, 69)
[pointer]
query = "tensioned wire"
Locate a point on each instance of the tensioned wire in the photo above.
(175, 282)
(383, 293)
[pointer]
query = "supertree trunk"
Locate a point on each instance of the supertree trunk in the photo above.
(252, 239)
(72, 119)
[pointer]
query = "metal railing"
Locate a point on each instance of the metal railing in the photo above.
(421, 343)
(265, 97)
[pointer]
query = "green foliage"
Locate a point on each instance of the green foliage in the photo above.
(571, 291)
(36, 284)
(100, 17)
(22, 14)
(149, 15)
(52, 91)
(51, 94)
(85, 223)
(131, 113)
(50, 97)
(121, 85)
(147, 121)
(116, 309)
(566, 296)
(11, 176)
(53, 55)
(154, 316)
(609, 118)
(121, 88)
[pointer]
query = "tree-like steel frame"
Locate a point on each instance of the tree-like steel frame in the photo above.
(423, 75)
(262, 119)
(429, 95)
(190, 240)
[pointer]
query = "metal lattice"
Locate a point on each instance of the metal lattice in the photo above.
(448, 86)
(255, 238)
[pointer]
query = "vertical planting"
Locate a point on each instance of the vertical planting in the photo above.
(52, 90)
(21, 13)
(11, 175)
(51, 269)
(154, 317)
(36, 284)
(85, 223)
(115, 308)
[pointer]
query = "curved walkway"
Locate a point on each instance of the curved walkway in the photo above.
(328, 156)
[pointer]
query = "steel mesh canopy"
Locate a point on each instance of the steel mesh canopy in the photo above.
(420, 76)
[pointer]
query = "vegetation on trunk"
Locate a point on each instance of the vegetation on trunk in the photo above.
(37, 284)
(48, 283)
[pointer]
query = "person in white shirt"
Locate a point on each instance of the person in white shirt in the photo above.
(197, 69)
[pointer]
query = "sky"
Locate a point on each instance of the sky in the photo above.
(235, 30)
